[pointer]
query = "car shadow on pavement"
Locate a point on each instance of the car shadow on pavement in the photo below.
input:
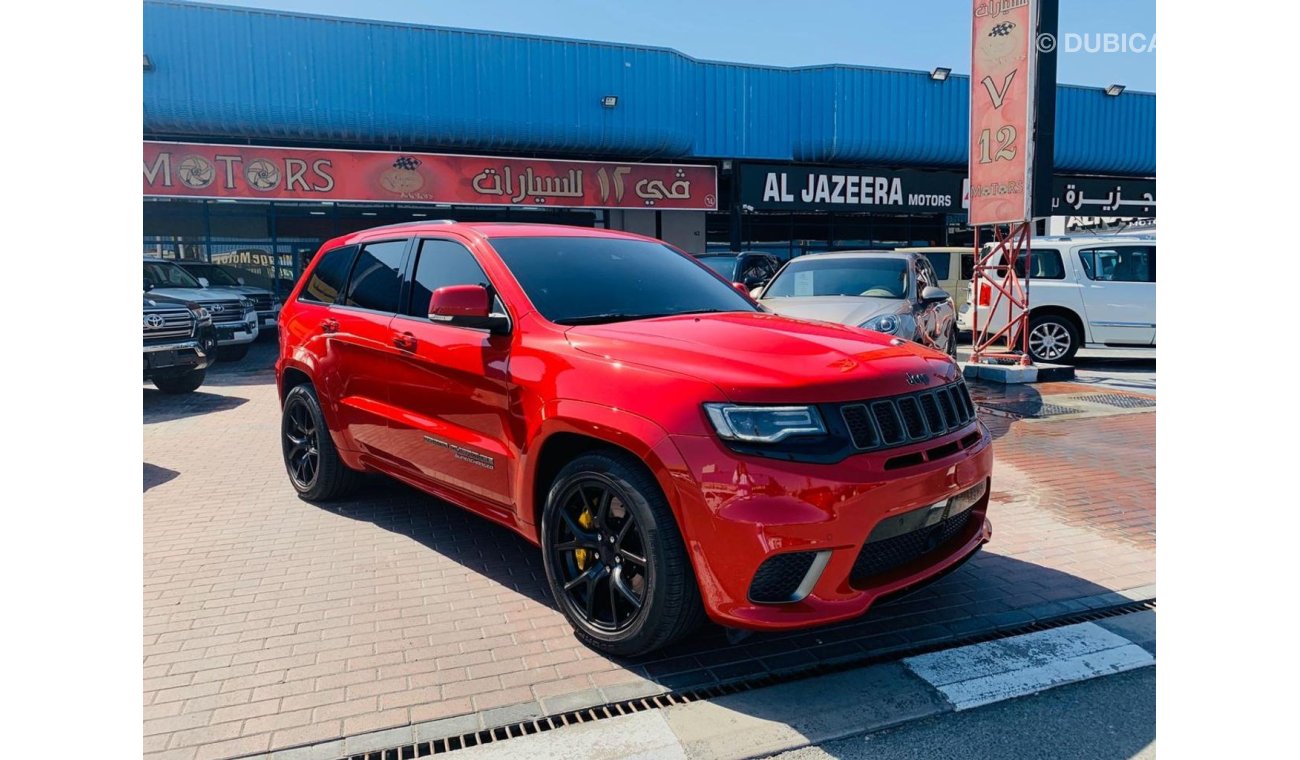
(991, 592)
(163, 407)
(156, 476)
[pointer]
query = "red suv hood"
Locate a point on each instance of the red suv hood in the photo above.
(765, 358)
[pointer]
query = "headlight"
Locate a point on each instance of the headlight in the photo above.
(764, 424)
(887, 323)
(247, 304)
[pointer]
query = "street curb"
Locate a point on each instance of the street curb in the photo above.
(445, 728)
(797, 714)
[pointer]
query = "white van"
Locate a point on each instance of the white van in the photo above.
(1095, 292)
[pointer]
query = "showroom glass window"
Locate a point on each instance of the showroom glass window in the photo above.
(376, 282)
(442, 263)
(1119, 264)
(329, 276)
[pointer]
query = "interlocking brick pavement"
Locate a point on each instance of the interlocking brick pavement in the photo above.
(271, 622)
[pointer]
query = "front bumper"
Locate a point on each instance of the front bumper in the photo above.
(180, 356)
(267, 319)
(738, 511)
(235, 334)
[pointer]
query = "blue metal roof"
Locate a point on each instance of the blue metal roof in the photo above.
(269, 75)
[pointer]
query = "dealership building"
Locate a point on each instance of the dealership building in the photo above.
(266, 133)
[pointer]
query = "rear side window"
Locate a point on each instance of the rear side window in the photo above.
(1119, 264)
(329, 276)
(441, 263)
(1046, 265)
(376, 282)
(942, 264)
(967, 266)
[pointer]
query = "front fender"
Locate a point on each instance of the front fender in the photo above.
(642, 437)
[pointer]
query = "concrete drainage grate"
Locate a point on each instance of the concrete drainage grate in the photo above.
(1123, 401)
(628, 707)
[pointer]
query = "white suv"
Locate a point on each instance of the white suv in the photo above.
(1098, 292)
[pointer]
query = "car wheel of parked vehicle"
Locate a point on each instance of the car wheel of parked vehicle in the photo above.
(315, 469)
(187, 382)
(614, 558)
(232, 353)
(1052, 338)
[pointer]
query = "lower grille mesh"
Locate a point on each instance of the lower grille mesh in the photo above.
(888, 554)
(778, 577)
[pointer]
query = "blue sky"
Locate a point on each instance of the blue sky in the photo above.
(919, 34)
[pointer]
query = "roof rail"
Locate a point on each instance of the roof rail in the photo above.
(413, 223)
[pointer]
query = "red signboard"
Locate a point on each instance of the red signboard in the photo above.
(191, 170)
(1002, 110)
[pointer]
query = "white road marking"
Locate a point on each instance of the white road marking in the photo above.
(979, 674)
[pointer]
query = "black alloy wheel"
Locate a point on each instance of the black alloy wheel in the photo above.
(599, 553)
(615, 559)
(315, 469)
(301, 444)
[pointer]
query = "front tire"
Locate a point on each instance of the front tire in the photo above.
(614, 558)
(187, 382)
(315, 469)
(1052, 339)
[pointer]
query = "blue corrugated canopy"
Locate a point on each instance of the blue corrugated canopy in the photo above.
(222, 72)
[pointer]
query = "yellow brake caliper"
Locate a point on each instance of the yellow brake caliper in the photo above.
(580, 555)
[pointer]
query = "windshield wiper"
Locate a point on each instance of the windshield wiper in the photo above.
(596, 319)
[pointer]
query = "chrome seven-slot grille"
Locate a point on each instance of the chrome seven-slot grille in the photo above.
(168, 324)
(225, 312)
(911, 418)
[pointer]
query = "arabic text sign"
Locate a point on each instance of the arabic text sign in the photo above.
(300, 174)
(1102, 196)
(1001, 110)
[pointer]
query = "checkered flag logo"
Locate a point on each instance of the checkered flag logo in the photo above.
(406, 162)
(1002, 30)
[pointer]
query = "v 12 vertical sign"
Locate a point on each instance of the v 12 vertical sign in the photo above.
(1002, 106)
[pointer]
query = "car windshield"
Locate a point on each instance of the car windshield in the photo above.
(215, 275)
(723, 265)
(163, 274)
(593, 280)
(813, 276)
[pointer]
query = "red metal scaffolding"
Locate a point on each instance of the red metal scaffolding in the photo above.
(996, 283)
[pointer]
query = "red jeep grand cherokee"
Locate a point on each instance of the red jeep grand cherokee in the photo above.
(674, 450)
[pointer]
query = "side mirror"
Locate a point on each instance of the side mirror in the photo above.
(240, 280)
(203, 282)
(756, 292)
(148, 286)
(932, 294)
(742, 287)
(466, 306)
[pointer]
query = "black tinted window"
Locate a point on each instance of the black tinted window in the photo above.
(1045, 265)
(723, 265)
(329, 276)
(590, 280)
(376, 281)
(1119, 264)
(967, 266)
(441, 263)
(942, 264)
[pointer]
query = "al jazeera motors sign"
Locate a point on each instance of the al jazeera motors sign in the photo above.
(194, 170)
(777, 187)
